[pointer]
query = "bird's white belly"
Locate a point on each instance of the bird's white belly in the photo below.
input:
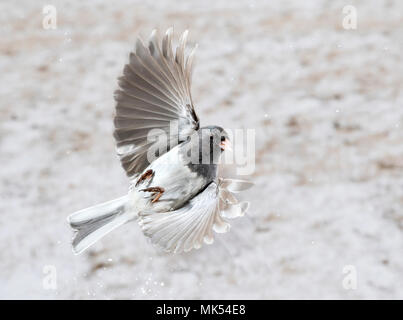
(170, 173)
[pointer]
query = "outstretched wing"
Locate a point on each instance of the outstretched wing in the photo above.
(190, 226)
(154, 94)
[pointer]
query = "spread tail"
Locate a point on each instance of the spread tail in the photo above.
(93, 223)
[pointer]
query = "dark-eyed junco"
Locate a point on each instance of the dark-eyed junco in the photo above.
(175, 194)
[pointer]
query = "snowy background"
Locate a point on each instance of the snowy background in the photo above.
(327, 107)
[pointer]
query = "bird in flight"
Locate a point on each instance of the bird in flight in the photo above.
(175, 194)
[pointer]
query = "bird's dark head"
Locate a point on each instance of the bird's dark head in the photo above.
(206, 145)
(218, 138)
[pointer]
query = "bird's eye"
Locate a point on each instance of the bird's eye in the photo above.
(222, 138)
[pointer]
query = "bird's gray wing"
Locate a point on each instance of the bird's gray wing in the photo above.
(190, 226)
(154, 94)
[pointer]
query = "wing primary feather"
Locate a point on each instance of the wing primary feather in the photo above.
(130, 113)
(149, 74)
(167, 44)
(153, 91)
(180, 50)
(152, 66)
(170, 60)
(139, 91)
(138, 68)
(133, 77)
(134, 103)
(189, 66)
(144, 99)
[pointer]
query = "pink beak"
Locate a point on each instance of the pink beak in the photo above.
(226, 145)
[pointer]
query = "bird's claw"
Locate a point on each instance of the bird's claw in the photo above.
(146, 175)
(157, 192)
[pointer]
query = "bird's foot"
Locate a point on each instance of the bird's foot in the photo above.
(157, 192)
(146, 175)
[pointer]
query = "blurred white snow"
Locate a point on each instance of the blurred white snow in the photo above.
(327, 107)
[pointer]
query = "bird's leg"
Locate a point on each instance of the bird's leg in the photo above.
(158, 191)
(146, 175)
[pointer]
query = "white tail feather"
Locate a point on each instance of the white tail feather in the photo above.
(95, 222)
